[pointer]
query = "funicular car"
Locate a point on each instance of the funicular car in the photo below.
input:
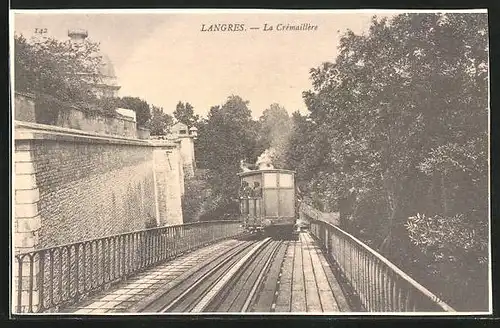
(267, 200)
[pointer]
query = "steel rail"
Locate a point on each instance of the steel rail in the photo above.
(200, 280)
(219, 285)
(260, 278)
(50, 278)
(155, 301)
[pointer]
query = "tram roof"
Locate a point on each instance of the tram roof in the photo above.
(254, 172)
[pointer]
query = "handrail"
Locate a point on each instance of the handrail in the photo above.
(310, 211)
(51, 278)
(132, 232)
(379, 284)
(251, 206)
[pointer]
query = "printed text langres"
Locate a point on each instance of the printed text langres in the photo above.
(237, 27)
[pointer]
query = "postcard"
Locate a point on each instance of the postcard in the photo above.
(249, 162)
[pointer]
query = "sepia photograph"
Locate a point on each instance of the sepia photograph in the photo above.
(250, 162)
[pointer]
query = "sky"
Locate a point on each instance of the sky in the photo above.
(165, 57)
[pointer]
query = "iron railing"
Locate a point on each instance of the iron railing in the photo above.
(51, 278)
(379, 284)
(251, 206)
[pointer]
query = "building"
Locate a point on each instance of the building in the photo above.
(186, 136)
(108, 83)
(128, 113)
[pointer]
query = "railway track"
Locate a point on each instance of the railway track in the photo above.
(266, 275)
(242, 291)
(230, 283)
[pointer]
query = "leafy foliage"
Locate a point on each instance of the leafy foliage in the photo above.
(160, 122)
(184, 113)
(457, 247)
(63, 69)
(443, 238)
(398, 125)
(228, 135)
(64, 73)
(141, 108)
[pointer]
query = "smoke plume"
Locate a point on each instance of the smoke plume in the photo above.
(265, 160)
(277, 129)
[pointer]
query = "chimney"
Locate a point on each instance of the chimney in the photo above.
(77, 35)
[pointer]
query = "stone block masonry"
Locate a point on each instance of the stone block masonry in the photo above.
(169, 178)
(30, 108)
(27, 225)
(86, 178)
(27, 196)
(25, 107)
(90, 190)
(187, 155)
(72, 185)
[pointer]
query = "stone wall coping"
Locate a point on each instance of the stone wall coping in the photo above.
(30, 131)
(118, 116)
(163, 142)
(74, 107)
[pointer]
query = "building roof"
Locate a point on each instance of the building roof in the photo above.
(180, 125)
(78, 33)
(128, 113)
(177, 127)
(107, 69)
(254, 172)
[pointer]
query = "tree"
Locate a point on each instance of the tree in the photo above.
(401, 120)
(141, 108)
(301, 154)
(453, 242)
(59, 74)
(184, 113)
(62, 73)
(275, 132)
(228, 136)
(60, 69)
(160, 122)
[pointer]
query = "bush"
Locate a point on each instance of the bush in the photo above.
(454, 253)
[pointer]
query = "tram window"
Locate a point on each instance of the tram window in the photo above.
(270, 180)
(286, 181)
